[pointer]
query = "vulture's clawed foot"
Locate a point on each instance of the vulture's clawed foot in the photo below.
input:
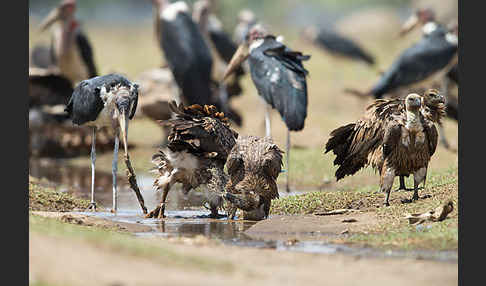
(405, 189)
(158, 212)
(92, 206)
(415, 198)
(217, 215)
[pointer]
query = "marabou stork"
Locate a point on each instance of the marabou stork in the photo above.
(70, 49)
(107, 101)
(337, 44)
(246, 20)
(426, 18)
(279, 76)
(186, 52)
(222, 49)
(427, 59)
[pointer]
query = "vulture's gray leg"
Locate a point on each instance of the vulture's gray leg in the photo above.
(418, 177)
(386, 183)
(402, 185)
(159, 211)
(92, 204)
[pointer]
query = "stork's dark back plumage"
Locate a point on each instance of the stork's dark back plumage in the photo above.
(431, 54)
(48, 89)
(226, 48)
(188, 57)
(201, 131)
(280, 78)
(85, 103)
(453, 74)
(86, 52)
(339, 44)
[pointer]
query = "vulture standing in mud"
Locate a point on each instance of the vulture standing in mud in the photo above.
(70, 49)
(279, 76)
(397, 137)
(107, 101)
(253, 167)
(337, 44)
(200, 140)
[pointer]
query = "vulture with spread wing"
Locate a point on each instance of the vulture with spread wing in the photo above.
(200, 140)
(397, 137)
(253, 167)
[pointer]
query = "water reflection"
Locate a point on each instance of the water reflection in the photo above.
(77, 181)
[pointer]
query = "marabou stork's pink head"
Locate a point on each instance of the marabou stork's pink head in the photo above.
(63, 12)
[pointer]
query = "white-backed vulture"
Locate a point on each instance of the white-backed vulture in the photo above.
(396, 137)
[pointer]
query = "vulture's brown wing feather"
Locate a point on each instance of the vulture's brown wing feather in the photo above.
(432, 137)
(392, 138)
(200, 130)
(353, 143)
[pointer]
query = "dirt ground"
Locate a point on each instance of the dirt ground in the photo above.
(311, 227)
(77, 263)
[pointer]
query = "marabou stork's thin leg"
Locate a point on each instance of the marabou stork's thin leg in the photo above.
(268, 131)
(114, 170)
(445, 91)
(92, 204)
(443, 139)
(287, 188)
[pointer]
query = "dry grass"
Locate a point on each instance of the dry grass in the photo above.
(43, 198)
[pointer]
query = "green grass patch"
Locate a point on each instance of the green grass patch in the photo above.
(392, 230)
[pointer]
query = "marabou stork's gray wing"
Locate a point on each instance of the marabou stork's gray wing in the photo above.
(85, 103)
(342, 45)
(415, 64)
(280, 79)
(188, 57)
(86, 52)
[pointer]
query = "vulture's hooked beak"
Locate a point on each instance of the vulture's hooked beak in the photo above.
(240, 55)
(50, 19)
(409, 25)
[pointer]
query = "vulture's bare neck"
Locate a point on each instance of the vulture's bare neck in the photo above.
(413, 123)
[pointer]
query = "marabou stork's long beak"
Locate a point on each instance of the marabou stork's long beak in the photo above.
(409, 25)
(50, 19)
(240, 55)
(122, 119)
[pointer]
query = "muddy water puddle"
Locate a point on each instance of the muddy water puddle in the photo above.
(186, 216)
